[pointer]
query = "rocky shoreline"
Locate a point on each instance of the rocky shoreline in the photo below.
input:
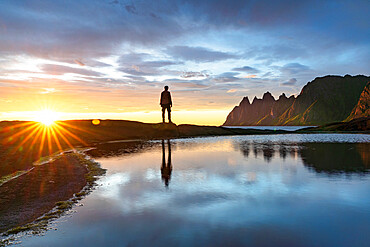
(30, 201)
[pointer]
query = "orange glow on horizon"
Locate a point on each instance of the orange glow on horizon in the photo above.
(200, 117)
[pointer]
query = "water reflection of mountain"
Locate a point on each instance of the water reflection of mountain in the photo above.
(336, 157)
(119, 148)
(267, 150)
(321, 157)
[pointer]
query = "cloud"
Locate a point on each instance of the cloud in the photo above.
(161, 23)
(136, 68)
(131, 9)
(247, 69)
(290, 82)
(83, 35)
(267, 74)
(198, 54)
(191, 74)
(79, 62)
(226, 77)
(94, 63)
(197, 84)
(137, 64)
(277, 52)
(48, 90)
(54, 69)
(294, 68)
(250, 76)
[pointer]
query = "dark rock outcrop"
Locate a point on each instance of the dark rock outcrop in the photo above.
(324, 100)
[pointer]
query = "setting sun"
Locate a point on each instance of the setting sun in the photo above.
(47, 117)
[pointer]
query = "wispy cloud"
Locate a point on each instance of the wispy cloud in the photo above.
(54, 69)
(247, 69)
(192, 74)
(79, 62)
(290, 82)
(198, 54)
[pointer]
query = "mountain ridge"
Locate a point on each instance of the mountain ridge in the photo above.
(323, 100)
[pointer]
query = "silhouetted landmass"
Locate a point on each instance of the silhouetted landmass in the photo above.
(322, 101)
(355, 125)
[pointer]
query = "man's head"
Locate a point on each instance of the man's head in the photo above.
(166, 88)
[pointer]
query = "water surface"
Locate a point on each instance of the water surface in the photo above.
(279, 190)
(288, 128)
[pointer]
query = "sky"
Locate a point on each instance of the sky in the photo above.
(110, 59)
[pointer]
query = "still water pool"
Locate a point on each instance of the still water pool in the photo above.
(280, 190)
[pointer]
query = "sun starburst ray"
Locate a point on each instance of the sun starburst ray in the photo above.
(25, 140)
(14, 136)
(42, 142)
(74, 127)
(71, 134)
(56, 139)
(64, 138)
(35, 139)
(8, 128)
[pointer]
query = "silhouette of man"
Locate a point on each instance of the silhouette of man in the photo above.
(166, 103)
(166, 169)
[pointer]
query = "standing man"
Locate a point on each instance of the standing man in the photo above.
(166, 103)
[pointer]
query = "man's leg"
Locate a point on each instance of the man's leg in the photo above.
(163, 111)
(169, 114)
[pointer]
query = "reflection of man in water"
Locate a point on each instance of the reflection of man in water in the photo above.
(166, 169)
(166, 103)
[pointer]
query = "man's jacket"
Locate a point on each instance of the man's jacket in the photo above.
(166, 98)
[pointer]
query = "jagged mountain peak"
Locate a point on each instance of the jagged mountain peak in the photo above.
(245, 101)
(267, 96)
(282, 96)
(255, 99)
